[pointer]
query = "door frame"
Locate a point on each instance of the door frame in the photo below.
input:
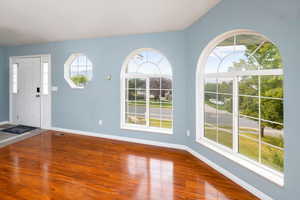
(46, 100)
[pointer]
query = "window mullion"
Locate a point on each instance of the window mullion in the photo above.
(235, 114)
(147, 102)
(259, 117)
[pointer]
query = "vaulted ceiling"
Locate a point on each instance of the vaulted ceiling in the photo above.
(40, 21)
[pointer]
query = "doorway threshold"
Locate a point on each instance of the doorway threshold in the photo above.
(9, 138)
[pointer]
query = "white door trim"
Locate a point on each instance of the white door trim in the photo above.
(46, 100)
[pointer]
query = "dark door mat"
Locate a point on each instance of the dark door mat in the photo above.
(20, 129)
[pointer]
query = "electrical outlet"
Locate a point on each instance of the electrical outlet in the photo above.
(188, 133)
(100, 122)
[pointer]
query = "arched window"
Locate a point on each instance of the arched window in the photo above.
(240, 88)
(147, 92)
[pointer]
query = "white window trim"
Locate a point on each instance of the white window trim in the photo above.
(123, 77)
(232, 154)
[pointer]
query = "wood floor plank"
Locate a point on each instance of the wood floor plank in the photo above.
(74, 167)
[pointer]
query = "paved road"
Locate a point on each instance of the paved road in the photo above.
(166, 112)
(225, 119)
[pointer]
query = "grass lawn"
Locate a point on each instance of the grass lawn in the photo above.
(270, 156)
(153, 122)
(164, 123)
(225, 138)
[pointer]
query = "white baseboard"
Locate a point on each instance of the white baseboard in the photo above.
(4, 122)
(121, 138)
(218, 168)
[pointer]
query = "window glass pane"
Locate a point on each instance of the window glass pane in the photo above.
(154, 56)
(249, 147)
(223, 49)
(224, 104)
(212, 64)
(131, 107)
(249, 106)
(155, 83)
(211, 101)
(131, 83)
(225, 137)
(229, 42)
(165, 68)
(268, 56)
(155, 108)
(248, 137)
(249, 42)
(217, 56)
(140, 95)
(237, 61)
(272, 134)
(140, 107)
(210, 132)
(249, 127)
(15, 78)
(166, 97)
(166, 83)
(210, 85)
(140, 119)
(140, 83)
(272, 157)
(140, 58)
(210, 117)
(272, 110)
(251, 46)
(225, 85)
(149, 62)
(130, 118)
(149, 68)
(155, 96)
(80, 70)
(272, 86)
(225, 120)
(131, 95)
(155, 121)
(166, 121)
(248, 85)
(132, 67)
(167, 107)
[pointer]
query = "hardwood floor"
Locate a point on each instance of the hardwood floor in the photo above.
(50, 166)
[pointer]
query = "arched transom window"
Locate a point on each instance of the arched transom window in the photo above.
(147, 92)
(240, 85)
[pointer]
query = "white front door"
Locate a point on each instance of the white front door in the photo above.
(27, 100)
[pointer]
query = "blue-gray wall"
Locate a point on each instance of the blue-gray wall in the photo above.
(280, 22)
(81, 109)
(3, 88)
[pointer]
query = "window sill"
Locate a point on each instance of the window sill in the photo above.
(147, 129)
(266, 172)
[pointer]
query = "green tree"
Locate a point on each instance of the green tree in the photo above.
(79, 80)
(267, 57)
